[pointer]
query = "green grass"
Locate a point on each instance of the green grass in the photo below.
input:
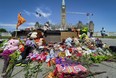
(5, 37)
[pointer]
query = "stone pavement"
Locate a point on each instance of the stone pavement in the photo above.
(109, 67)
(109, 41)
(45, 69)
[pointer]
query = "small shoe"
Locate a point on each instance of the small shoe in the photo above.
(19, 64)
(23, 65)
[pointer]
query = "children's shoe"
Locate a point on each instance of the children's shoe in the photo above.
(23, 65)
(19, 64)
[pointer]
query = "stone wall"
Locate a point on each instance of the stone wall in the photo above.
(53, 38)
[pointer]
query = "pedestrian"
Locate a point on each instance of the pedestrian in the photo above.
(91, 33)
(102, 32)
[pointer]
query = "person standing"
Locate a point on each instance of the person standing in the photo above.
(91, 33)
(91, 29)
(103, 32)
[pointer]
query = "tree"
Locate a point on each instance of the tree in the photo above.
(3, 30)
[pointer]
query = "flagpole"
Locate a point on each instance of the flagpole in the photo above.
(21, 20)
(16, 31)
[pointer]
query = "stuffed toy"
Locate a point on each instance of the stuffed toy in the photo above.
(67, 53)
(27, 50)
(98, 43)
(105, 46)
(10, 48)
(68, 41)
(37, 36)
(79, 49)
(52, 53)
(91, 46)
(61, 49)
(40, 42)
(30, 45)
(21, 47)
(50, 56)
(12, 45)
(33, 35)
(76, 41)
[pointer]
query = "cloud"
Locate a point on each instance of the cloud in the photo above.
(12, 27)
(31, 23)
(51, 22)
(23, 27)
(27, 12)
(44, 12)
(7, 25)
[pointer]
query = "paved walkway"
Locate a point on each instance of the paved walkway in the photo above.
(109, 41)
(109, 67)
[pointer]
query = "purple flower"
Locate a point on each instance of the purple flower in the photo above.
(58, 61)
(6, 53)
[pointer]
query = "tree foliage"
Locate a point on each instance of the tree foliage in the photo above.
(3, 30)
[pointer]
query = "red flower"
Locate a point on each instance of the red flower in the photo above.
(94, 54)
(79, 54)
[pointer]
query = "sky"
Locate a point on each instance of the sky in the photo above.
(104, 13)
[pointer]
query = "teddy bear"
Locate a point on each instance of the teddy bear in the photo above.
(68, 41)
(32, 43)
(11, 47)
(39, 38)
(67, 52)
(76, 41)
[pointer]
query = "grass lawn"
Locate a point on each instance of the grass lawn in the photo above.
(5, 37)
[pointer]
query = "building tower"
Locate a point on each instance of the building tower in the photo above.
(63, 15)
(91, 26)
